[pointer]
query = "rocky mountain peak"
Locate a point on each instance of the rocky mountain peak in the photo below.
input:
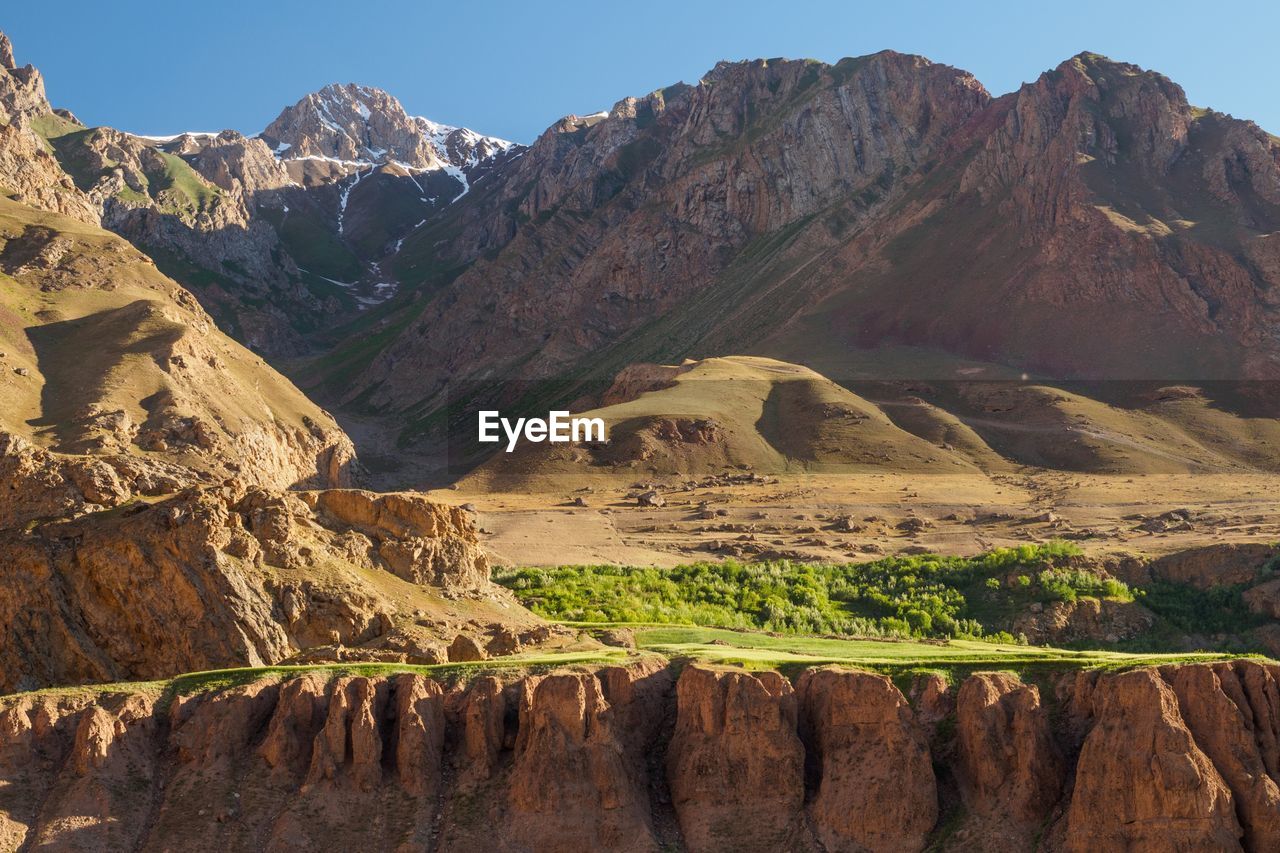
(362, 124)
(350, 122)
(21, 89)
(462, 147)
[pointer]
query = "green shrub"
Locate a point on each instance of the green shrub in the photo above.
(908, 596)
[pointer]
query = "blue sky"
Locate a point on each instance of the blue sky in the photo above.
(511, 69)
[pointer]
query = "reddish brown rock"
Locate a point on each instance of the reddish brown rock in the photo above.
(1236, 727)
(482, 713)
(1141, 780)
(564, 762)
(1090, 619)
(1264, 599)
(113, 595)
(110, 770)
(736, 753)
(1008, 768)
(419, 735)
(876, 789)
(933, 699)
(1213, 565)
(570, 733)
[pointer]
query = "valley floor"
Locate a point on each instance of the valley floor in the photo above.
(853, 517)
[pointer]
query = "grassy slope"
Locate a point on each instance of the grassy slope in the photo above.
(752, 650)
(136, 318)
(221, 679)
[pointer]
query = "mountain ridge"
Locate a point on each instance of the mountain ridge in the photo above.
(833, 215)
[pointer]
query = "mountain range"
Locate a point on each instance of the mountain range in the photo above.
(748, 621)
(880, 218)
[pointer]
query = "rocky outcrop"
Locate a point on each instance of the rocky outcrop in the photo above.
(39, 484)
(114, 594)
(572, 729)
(1228, 564)
(1142, 781)
(1231, 710)
(875, 784)
(29, 172)
(418, 540)
(1181, 758)
(735, 751)
(1008, 768)
(1088, 619)
(22, 96)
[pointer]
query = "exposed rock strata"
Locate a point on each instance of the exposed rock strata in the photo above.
(1182, 758)
(229, 576)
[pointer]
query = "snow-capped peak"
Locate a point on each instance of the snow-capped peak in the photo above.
(461, 146)
(356, 128)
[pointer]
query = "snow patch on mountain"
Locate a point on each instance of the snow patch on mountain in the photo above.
(461, 146)
(195, 134)
(345, 196)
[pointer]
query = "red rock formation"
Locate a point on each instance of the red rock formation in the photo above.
(1008, 767)
(1237, 733)
(875, 790)
(1142, 781)
(1179, 759)
(570, 732)
(735, 752)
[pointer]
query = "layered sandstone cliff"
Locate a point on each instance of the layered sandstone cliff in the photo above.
(636, 758)
(232, 576)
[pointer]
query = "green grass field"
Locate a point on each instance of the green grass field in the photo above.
(223, 679)
(752, 650)
(771, 651)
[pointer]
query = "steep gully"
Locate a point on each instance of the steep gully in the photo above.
(654, 756)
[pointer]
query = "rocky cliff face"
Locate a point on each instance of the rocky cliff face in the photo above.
(113, 595)
(640, 208)
(1175, 759)
(812, 212)
(28, 170)
(1104, 160)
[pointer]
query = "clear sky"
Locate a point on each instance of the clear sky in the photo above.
(511, 69)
